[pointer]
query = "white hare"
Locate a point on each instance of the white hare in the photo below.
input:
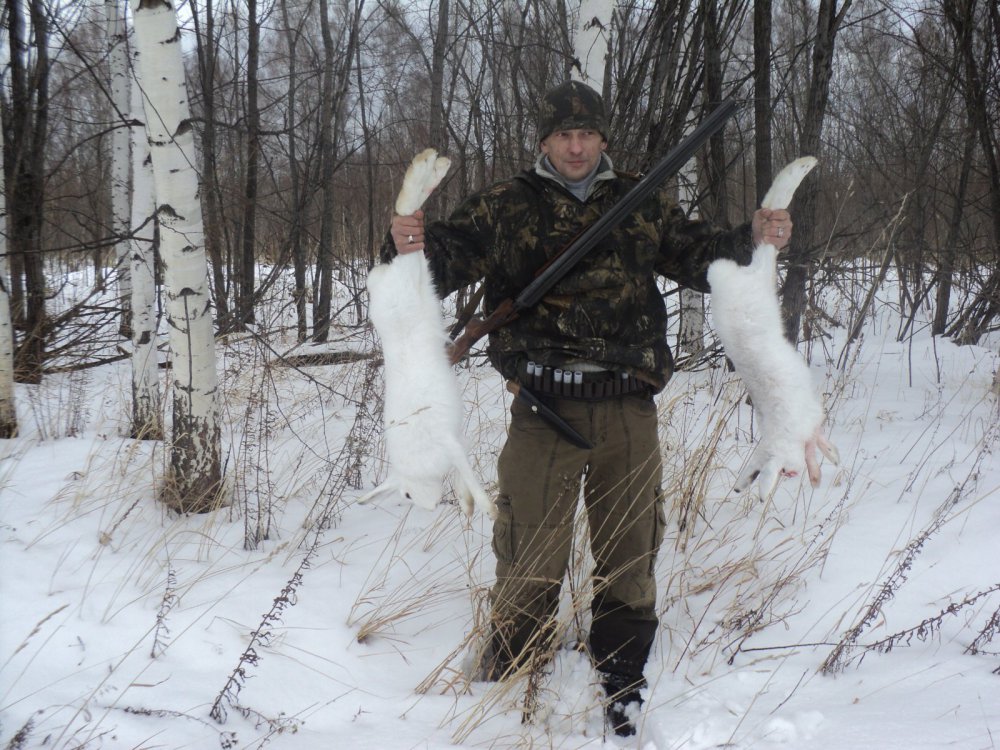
(423, 403)
(748, 321)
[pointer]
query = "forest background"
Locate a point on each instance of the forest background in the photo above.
(298, 119)
(306, 113)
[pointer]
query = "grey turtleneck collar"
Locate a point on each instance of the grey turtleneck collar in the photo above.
(582, 188)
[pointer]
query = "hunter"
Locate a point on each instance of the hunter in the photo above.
(605, 325)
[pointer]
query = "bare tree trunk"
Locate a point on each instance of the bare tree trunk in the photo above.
(369, 164)
(676, 68)
(207, 50)
(763, 167)
(946, 263)
(715, 172)
(438, 133)
(8, 412)
(335, 82)
(28, 135)
(437, 130)
(195, 452)
(964, 17)
(802, 255)
(298, 251)
(322, 303)
(249, 265)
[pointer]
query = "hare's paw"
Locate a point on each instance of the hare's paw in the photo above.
(783, 188)
(423, 175)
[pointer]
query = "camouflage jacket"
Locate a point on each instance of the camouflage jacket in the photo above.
(608, 309)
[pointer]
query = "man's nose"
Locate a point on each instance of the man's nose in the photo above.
(576, 143)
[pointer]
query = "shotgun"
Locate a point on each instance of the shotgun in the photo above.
(562, 262)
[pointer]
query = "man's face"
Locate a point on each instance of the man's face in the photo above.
(574, 153)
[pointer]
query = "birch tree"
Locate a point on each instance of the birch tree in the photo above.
(195, 473)
(591, 43)
(131, 168)
(691, 336)
(121, 152)
(8, 414)
(147, 412)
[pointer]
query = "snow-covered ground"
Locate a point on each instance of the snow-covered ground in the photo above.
(126, 626)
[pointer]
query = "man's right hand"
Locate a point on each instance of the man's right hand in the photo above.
(408, 232)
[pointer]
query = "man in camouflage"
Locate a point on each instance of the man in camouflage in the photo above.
(607, 321)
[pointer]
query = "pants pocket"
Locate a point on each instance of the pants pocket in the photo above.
(503, 532)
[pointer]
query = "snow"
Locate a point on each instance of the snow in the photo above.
(122, 622)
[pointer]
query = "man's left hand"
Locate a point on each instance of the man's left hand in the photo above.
(771, 225)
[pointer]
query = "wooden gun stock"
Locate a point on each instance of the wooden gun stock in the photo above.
(477, 327)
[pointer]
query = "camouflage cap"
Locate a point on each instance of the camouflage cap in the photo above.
(570, 106)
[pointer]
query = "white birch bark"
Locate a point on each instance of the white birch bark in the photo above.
(691, 337)
(121, 150)
(8, 414)
(195, 466)
(591, 40)
(147, 408)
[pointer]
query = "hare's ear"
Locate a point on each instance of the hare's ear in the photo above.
(387, 488)
(767, 480)
(470, 493)
(827, 448)
(751, 471)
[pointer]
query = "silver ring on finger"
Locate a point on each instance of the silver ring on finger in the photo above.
(781, 231)
(409, 240)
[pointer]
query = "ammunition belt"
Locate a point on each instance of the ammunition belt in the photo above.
(581, 384)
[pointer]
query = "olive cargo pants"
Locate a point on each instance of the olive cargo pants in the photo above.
(539, 488)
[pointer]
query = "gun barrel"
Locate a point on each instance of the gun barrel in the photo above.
(585, 241)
